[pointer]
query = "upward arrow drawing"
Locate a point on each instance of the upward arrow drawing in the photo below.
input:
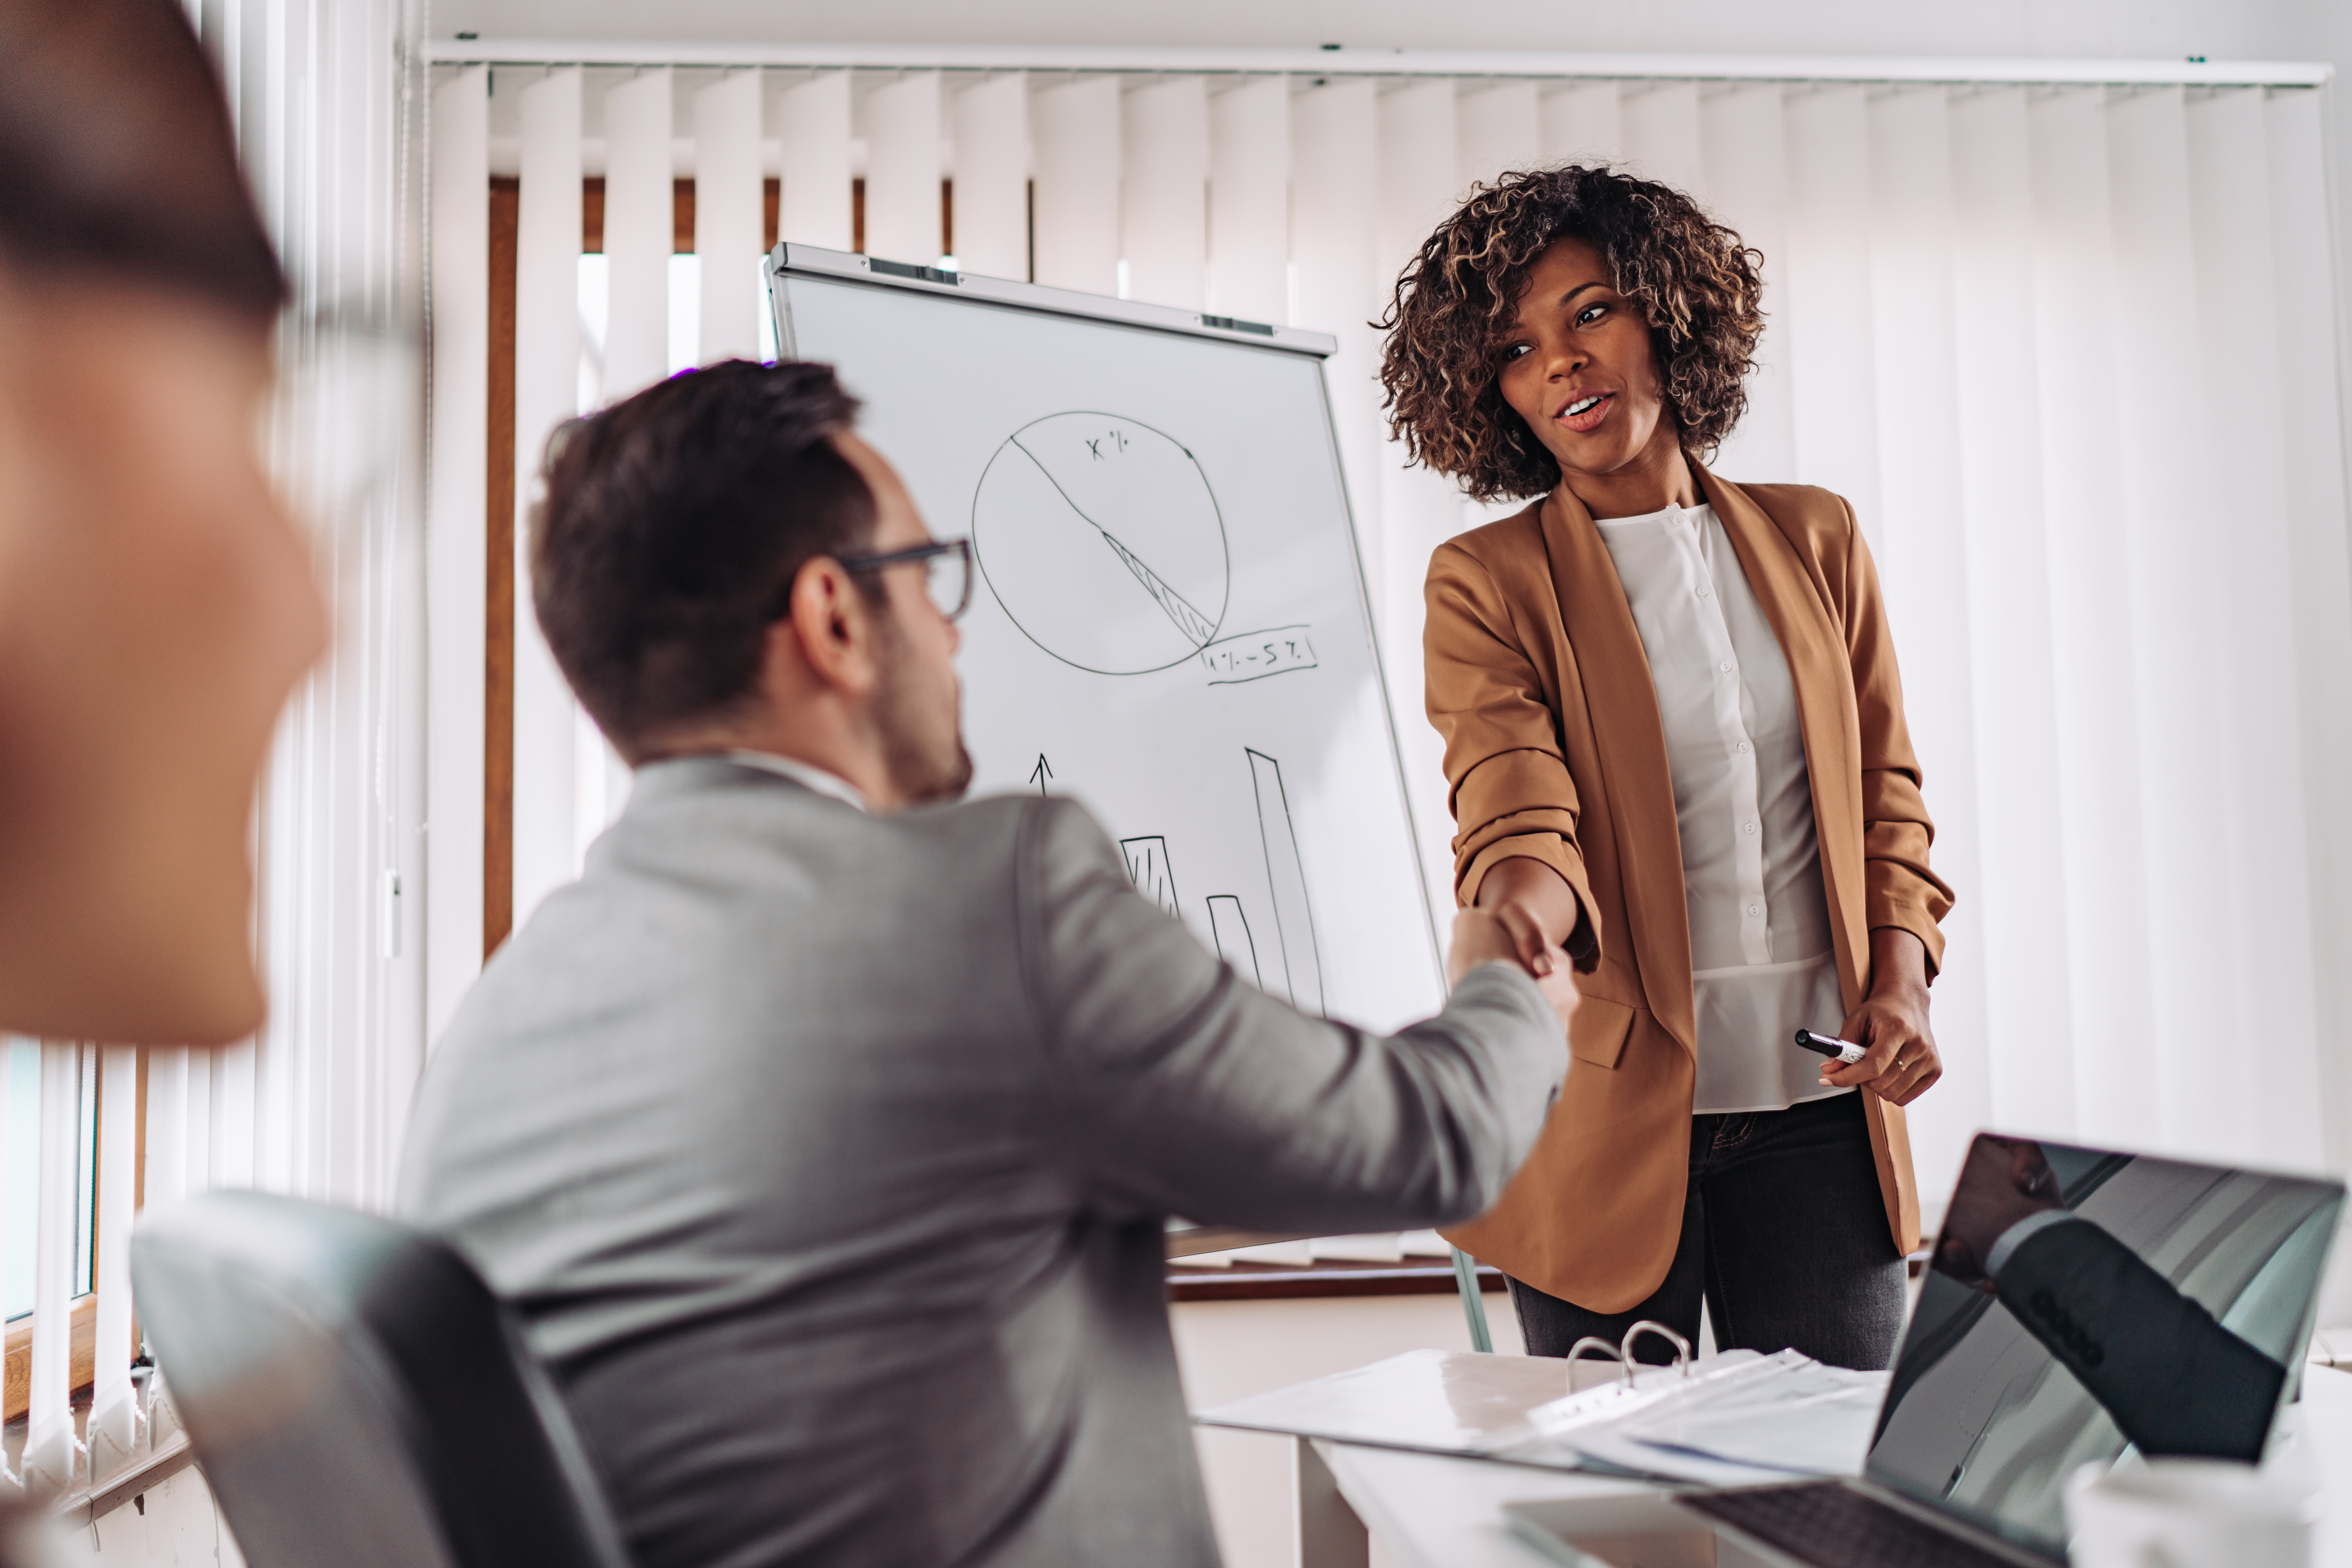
(1041, 772)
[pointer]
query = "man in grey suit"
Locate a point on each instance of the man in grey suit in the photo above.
(823, 1132)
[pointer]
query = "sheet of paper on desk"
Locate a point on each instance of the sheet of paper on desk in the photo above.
(1736, 1418)
(1785, 1414)
(1434, 1402)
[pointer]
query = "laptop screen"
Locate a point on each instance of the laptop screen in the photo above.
(2080, 1303)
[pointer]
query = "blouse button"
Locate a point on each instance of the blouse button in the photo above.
(1744, 747)
(1725, 666)
(1751, 828)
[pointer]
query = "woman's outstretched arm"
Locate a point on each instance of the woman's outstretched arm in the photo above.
(1514, 806)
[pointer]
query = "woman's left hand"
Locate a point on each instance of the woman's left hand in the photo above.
(1900, 1063)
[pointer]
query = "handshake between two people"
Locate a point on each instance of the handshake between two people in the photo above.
(1481, 938)
(1525, 913)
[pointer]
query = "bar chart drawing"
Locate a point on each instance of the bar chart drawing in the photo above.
(1147, 869)
(1234, 943)
(1286, 876)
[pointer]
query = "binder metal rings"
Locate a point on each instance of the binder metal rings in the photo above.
(1622, 1352)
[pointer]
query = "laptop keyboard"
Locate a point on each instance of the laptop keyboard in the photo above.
(1828, 1526)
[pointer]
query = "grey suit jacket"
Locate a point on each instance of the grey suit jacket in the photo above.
(826, 1156)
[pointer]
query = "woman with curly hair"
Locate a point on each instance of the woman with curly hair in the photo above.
(1675, 746)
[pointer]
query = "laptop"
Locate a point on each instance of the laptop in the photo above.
(2079, 1304)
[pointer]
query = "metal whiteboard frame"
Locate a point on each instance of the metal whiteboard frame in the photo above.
(852, 266)
(790, 260)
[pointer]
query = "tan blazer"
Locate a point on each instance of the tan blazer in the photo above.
(1554, 751)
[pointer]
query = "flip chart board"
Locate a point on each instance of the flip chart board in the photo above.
(1168, 622)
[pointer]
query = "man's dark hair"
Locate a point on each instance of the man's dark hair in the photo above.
(116, 157)
(673, 526)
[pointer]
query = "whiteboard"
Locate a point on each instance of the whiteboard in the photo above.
(1167, 621)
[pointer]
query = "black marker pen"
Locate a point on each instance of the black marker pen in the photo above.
(1846, 1051)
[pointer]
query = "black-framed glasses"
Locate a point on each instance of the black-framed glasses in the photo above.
(946, 572)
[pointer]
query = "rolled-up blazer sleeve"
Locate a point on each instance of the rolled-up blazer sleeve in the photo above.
(1900, 889)
(1508, 782)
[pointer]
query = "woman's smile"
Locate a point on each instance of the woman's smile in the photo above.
(1586, 410)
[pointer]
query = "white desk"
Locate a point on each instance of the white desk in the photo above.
(1434, 1512)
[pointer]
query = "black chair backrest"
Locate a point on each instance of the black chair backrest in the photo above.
(357, 1396)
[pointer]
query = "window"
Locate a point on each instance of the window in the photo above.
(20, 1221)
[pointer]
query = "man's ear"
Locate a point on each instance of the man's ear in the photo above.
(831, 626)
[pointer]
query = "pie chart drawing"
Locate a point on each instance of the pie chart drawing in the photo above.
(1102, 540)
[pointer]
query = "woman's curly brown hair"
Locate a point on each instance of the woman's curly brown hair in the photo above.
(1458, 301)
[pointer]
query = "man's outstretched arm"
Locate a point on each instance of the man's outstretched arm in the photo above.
(1184, 1089)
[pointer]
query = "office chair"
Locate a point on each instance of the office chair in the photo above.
(357, 1396)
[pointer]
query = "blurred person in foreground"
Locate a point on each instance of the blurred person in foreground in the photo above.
(823, 1131)
(156, 605)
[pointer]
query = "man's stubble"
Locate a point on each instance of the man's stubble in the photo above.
(922, 729)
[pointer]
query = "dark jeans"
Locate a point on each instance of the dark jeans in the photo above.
(1784, 1232)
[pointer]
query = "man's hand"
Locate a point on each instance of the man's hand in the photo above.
(1901, 1063)
(2005, 1180)
(1480, 938)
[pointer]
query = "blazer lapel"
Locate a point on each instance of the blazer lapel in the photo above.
(1818, 666)
(1622, 702)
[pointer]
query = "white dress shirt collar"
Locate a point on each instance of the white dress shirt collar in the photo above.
(806, 774)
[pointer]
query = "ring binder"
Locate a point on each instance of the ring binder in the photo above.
(1649, 1326)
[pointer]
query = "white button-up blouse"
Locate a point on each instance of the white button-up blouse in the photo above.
(1761, 961)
